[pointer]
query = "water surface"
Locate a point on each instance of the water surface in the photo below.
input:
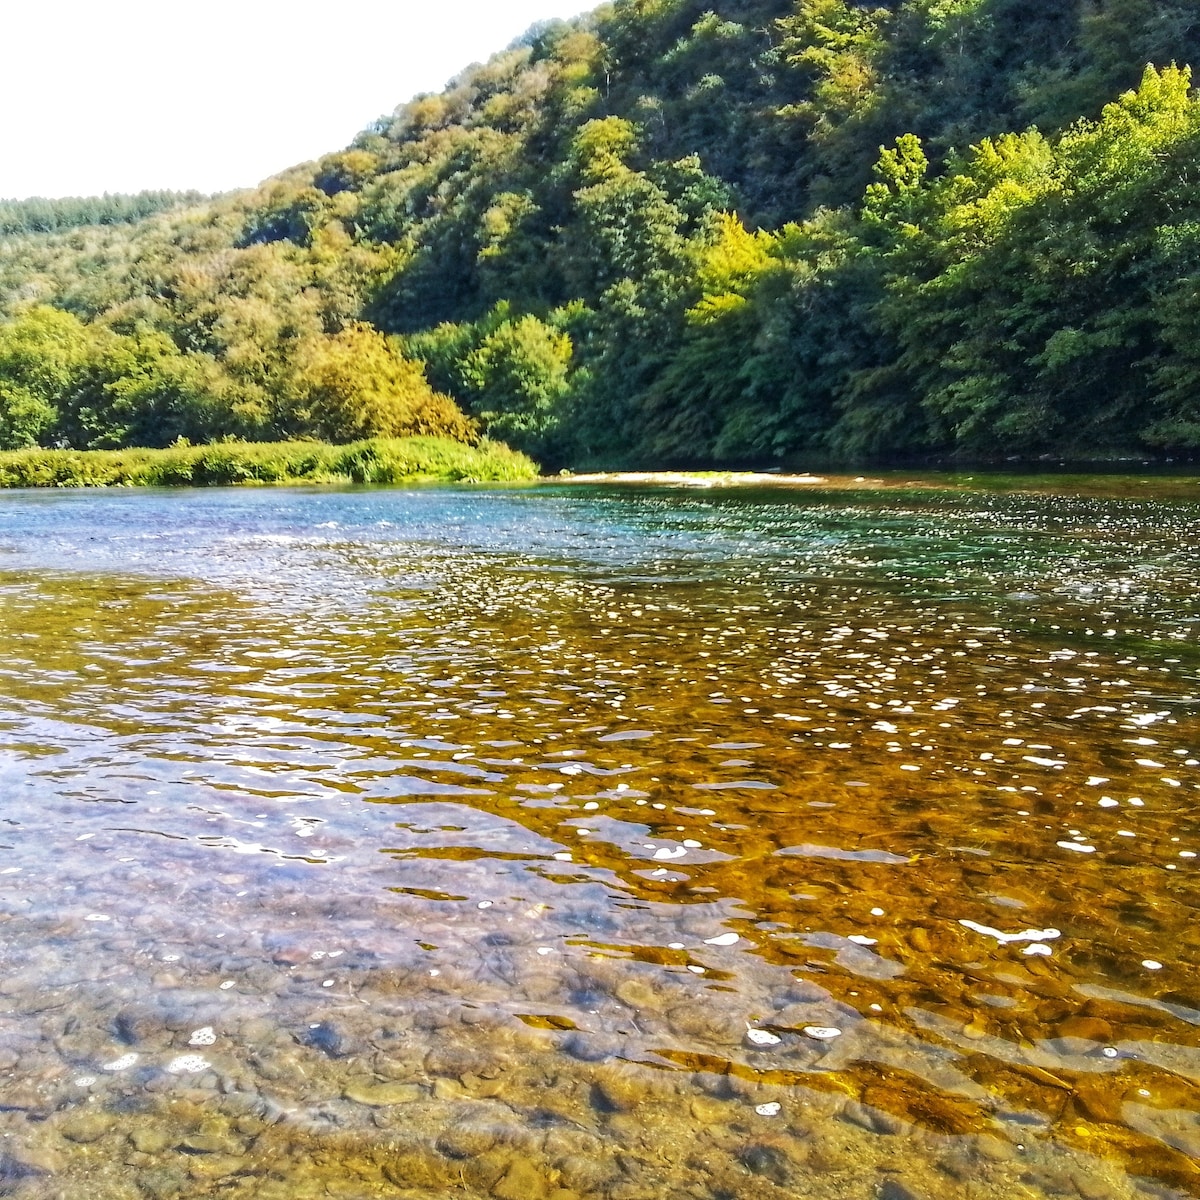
(587, 843)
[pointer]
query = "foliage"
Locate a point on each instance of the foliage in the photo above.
(41, 357)
(673, 231)
(377, 461)
(41, 215)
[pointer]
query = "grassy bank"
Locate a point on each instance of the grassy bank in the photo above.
(378, 460)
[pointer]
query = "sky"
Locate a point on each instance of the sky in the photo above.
(121, 95)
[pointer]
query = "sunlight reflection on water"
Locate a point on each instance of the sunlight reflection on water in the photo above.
(487, 831)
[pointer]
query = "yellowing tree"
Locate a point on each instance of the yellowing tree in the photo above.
(354, 385)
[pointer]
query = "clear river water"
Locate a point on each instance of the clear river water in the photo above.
(583, 843)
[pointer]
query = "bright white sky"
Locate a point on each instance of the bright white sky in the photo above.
(121, 95)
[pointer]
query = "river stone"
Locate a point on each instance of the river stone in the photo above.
(150, 1140)
(522, 1181)
(588, 1173)
(618, 1089)
(258, 1031)
(639, 995)
(588, 1047)
(379, 1095)
(164, 1182)
(211, 1143)
(996, 1149)
(466, 1141)
(455, 1062)
(895, 1189)
(412, 1171)
(263, 978)
(330, 1038)
(767, 1160)
(1092, 1029)
(708, 1111)
(215, 1166)
(87, 1126)
(446, 1090)
(22, 1162)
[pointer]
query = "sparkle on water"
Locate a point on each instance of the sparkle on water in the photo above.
(578, 843)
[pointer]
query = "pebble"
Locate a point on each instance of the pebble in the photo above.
(521, 1181)
(466, 1141)
(638, 994)
(1094, 1029)
(21, 1162)
(767, 1160)
(211, 1143)
(87, 1126)
(619, 1088)
(330, 1038)
(150, 1140)
(138, 1023)
(380, 1095)
(994, 1148)
(215, 1166)
(895, 1189)
(708, 1111)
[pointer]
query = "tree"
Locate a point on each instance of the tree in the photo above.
(43, 353)
(355, 384)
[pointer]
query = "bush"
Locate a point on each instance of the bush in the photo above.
(374, 461)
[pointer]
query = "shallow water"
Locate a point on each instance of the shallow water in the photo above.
(586, 843)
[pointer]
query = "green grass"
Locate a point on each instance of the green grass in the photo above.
(377, 460)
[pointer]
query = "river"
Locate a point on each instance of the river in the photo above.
(600, 843)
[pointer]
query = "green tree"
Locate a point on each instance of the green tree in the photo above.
(43, 353)
(519, 378)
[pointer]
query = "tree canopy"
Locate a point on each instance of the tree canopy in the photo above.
(673, 232)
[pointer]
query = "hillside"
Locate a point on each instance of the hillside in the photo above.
(679, 233)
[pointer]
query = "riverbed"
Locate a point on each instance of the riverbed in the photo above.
(592, 842)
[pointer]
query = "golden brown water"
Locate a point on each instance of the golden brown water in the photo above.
(599, 844)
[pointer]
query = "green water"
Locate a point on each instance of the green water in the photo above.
(600, 843)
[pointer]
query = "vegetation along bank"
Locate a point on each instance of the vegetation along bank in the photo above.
(375, 460)
(673, 233)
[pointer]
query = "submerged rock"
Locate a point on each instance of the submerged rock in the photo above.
(895, 1189)
(380, 1095)
(150, 1140)
(87, 1126)
(331, 1039)
(24, 1162)
(768, 1160)
(522, 1181)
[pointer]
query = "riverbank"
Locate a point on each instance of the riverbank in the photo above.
(376, 460)
(1184, 485)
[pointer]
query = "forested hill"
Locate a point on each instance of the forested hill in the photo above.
(681, 232)
(41, 215)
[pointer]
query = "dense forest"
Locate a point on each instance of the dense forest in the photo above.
(41, 215)
(679, 232)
